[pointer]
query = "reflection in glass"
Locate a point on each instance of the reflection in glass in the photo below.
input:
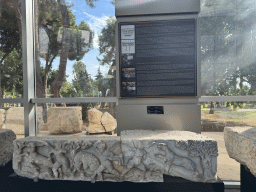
(66, 39)
(227, 114)
(228, 64)
(11, 71)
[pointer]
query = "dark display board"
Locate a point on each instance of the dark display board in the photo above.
(158, 58)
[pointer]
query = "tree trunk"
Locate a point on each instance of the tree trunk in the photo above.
(17, 10)
(58, 82)
(212, 108)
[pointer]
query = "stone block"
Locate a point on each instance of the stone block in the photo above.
(64, 120)
(94, 118)
(15, 119)
(136, 156)
(6, 145)
(240, 143)
(108, 122)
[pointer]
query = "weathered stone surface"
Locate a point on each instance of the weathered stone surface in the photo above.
(64, 120)
(108, 122)
(40, 121)
(6, 145)
(15, 119)
(73, 158)
(94, 118)
(137, 156)
(240, 143)
(2, 114)
(176, 153)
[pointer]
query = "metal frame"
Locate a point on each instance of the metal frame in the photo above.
(27, 7)
(74, 100)
(29, 100)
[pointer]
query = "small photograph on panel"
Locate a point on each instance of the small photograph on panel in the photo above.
(128, 74)
(128, 89)
(128, 60)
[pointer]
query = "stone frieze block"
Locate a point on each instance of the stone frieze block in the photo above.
(177, 153)
(6, 145)
(136, 156)
(240, 143)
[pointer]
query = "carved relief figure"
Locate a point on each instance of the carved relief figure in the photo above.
(18, 155)
(35, 160)
(137, 155)
(105, 156)
(171, 158)
(88, 160)
(61, 161)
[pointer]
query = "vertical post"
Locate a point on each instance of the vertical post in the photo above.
(27, 7)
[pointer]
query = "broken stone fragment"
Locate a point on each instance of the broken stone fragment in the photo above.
(94, 118)
(240, 143)
(6, 145)
(64, 120)
(108, 122)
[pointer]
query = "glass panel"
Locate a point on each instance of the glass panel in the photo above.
(75, 120)
(76, 49)
(216, 115)
(228, 38)
(11, 65)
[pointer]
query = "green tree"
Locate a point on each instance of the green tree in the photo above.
(81, 81)
(107, 49)
(102, 85)
(10, 46)
(12, 78)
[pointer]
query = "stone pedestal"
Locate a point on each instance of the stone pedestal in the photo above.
(6, 145)
(64, 120)
(240, 143)
(136, 156)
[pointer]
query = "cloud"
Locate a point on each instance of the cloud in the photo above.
(96, 24)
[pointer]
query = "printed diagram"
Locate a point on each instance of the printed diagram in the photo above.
(127, 32)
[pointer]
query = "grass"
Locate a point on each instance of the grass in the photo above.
(241, 116)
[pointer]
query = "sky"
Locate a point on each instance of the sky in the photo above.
(96, 18)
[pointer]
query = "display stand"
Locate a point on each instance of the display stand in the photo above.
(12, 182)
(248, 180)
